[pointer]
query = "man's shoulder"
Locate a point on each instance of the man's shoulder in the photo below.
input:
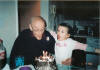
(47, 32)
(25, 32)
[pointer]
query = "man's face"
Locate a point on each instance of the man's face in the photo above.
(38, 28)
(62, 33)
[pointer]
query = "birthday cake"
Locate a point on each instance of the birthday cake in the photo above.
(45, 63)
(45, 59)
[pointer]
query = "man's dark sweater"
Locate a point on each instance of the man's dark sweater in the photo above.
(28, 46)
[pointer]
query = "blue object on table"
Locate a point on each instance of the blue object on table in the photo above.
(19, 61)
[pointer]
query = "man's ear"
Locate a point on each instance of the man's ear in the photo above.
(30, 27)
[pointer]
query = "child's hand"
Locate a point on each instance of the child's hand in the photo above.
(53, 34)
(67, 61)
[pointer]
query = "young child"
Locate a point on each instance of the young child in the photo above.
(65, 45)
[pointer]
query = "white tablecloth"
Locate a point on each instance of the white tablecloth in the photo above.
(6, 67)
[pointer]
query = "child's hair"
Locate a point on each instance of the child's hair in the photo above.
(67, 26)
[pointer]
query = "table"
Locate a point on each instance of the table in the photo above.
(64, 67)
(60, 67)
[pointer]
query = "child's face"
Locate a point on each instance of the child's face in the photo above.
(62, 33)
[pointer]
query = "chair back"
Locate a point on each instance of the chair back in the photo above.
(78, 58)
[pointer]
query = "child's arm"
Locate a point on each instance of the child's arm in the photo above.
(84, 47)
(80, 46)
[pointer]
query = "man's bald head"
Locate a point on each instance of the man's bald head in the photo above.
(38, 18)
(37, 26)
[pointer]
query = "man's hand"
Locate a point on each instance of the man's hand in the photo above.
(2, 55)
(67, 61)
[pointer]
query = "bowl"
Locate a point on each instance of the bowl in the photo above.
(25, 68)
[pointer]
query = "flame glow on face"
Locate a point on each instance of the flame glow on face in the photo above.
(62, 33)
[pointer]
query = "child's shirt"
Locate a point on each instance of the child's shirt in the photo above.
(63, 49)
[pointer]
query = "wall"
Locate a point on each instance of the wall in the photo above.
(8, 23)
(27, 9)
(44, 11)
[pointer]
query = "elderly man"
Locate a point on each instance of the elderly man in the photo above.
(31, 43)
